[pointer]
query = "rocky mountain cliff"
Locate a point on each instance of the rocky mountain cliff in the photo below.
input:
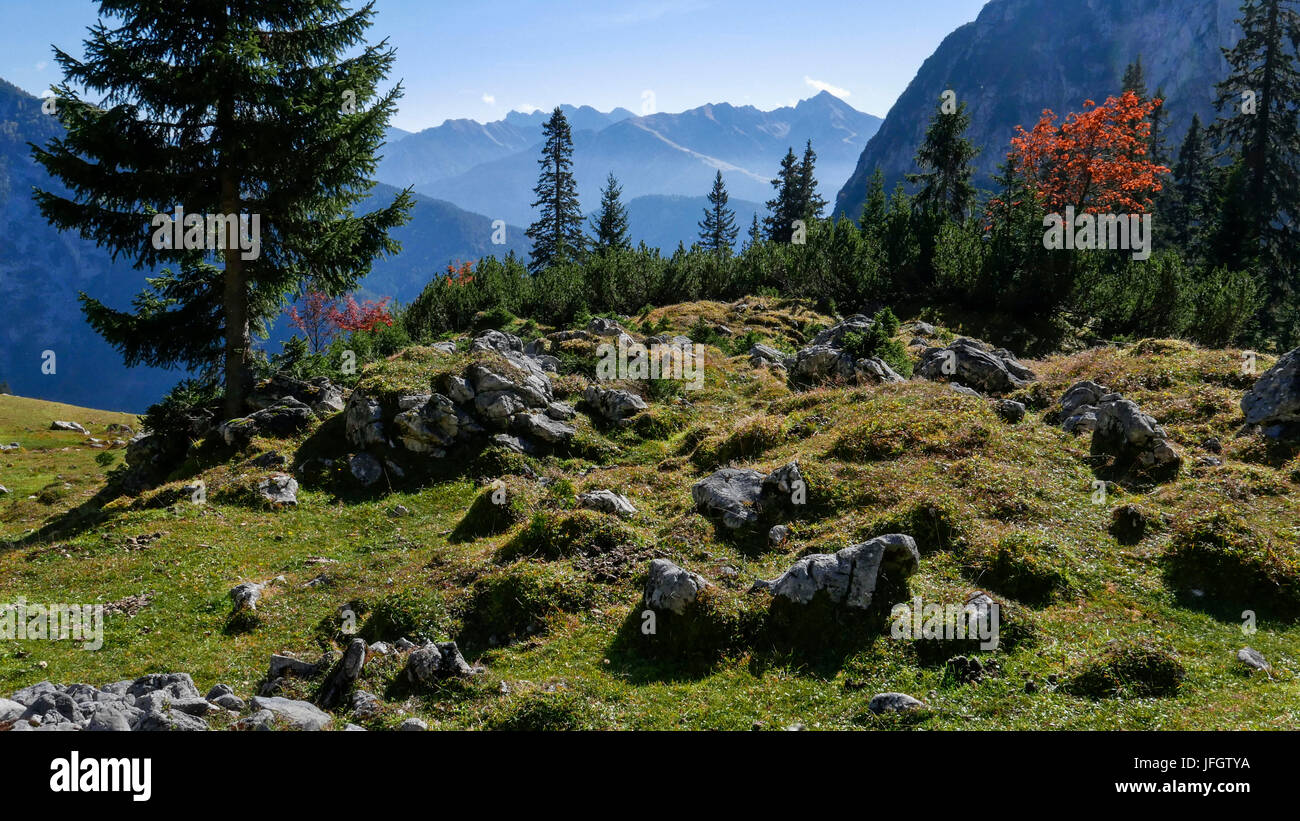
(1021, 56)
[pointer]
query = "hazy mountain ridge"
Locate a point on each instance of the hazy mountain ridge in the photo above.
(654, 155)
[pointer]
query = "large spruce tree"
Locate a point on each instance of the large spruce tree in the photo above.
(945, 158)
(787, 206)
(1258, 125)
(718, 229)
(557, 232)
(609, 226)
(813, 204)
(266, 108)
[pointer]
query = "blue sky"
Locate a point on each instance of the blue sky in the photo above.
(482, 59)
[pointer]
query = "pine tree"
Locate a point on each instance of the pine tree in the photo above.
(755, 234)
(557, 233)
(718, 229)
(1190, 192)
(266, 108)
(874, 207)
(945, 159)
(1135, 79)
(610, 223)
(787, 206)
(812, 203)
(1265, 137)
(1158, 152)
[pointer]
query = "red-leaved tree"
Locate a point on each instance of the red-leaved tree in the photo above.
(320, 317)
(365, 316)
(316, 319)
(1095, 161)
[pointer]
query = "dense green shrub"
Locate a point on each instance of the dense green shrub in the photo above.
(1128, 669)
(1222, 555)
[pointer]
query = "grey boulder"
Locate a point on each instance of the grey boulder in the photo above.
(849, 576)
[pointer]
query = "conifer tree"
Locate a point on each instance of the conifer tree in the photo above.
(557, 232)
(1258, 125)
(610, 224)
(718, 229)
(268, 109)
(1190, 193)
(1135, 79)
(787, 206)
(812, 203)
(874, 207)
(755, 234)
(945, 159)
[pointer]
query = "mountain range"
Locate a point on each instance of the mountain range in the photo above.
(492, 168)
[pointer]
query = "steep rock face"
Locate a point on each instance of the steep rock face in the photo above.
(1021, 56)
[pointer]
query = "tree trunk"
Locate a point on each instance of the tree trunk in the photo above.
(235, 303)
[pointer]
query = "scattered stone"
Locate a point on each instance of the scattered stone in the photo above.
(606, 501)
(296, 715)
(365, 705)
(778, 535)
(69, 426)
(731, 493)
(246, 595)
(412, 725)
(285, 418)
(975, 365)
(280, 489)
(739, 496)
(1274, 399)
(765, 355)
(320, 395)
(613, 404)
(669, 587)
(260, 720)
(1253, 659)
(561, 411)
(437, 661)
(343, 676)
(399, 511)
(1133, 437)
(882, 703)
(1010, 410)
(543, 427)
(849, 576)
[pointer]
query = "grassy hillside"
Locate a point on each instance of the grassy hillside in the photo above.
(547, 597)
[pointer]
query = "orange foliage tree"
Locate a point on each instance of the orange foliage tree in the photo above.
(1095, 161)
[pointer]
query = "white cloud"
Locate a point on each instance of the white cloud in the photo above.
(489, 99)
(41, 65)
(526, 108)
(823, 86)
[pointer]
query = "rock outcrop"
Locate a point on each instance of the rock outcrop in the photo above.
(975, 365)
(849, 576)
(826, 360)
(1274, 400)
(669, 587)
(741, 496)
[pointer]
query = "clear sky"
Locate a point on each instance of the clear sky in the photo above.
(475, 59)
